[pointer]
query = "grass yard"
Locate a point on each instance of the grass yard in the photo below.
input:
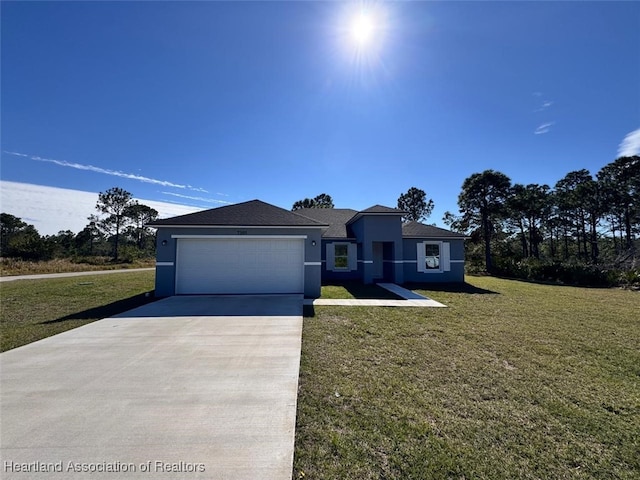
(15, 266)
(512, 380)
(34, 309)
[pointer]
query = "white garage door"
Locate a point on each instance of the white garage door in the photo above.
(240, 265)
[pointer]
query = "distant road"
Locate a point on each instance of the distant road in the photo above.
(12, 278)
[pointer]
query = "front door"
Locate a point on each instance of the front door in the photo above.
(378, 260)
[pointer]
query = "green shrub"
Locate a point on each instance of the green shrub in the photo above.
(629, 278)
(92, 260)
(129, 254)
(557, 272)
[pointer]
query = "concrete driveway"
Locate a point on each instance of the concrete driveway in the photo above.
(186, 387)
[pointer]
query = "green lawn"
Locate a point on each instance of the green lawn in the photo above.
(512, 380)
(15, 266)
(35, 309)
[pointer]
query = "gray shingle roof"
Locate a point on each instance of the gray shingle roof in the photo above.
(258, 213)
(376, 210)
(420, 230)
(337, 219)
(252, 213)
(382, 209)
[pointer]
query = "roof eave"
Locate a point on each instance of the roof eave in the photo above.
(353, 239)
(437, 237)
(359, 215)
(211, 225)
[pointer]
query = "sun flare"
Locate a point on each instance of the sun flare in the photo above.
(362, 34)
(363, 29)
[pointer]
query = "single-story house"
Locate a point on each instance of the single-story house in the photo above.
(255, 247)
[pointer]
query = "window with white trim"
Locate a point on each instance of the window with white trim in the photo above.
(433, 257)
(342, 257)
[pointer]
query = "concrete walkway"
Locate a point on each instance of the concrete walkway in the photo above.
(411, 299)
(12, 278)
(402, 292)
(182, 388)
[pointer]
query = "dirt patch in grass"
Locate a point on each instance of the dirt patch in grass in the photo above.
(533, 381)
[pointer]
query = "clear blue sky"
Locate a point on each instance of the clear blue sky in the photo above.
(231, 101)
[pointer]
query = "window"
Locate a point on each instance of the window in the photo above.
(341, 257)
(432, 256)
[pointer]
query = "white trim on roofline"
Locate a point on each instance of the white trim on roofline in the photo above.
(312, 264)
(435, 238)
(239, 226)
(406, 261)
(241, 236)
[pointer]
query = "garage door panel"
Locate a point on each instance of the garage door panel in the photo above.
(240, 266)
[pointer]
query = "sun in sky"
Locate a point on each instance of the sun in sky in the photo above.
(363, 31)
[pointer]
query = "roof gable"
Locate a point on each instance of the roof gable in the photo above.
(251, 213)
(339, 219)
(376, 210)
(420, 230)
(382, 209)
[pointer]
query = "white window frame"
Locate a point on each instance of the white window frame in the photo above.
(352, 258)
(445, 256)
(336, 256)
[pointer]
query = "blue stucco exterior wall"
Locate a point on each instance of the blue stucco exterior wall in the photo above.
(411, 273)
(369, 229)
(166, 254)
(370, 232)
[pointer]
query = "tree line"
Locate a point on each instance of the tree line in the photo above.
(585, 228)
(118, 230)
